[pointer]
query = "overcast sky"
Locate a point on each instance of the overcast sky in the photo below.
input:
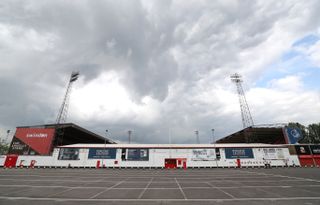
(159, 68)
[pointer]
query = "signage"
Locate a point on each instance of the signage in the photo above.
(237, 153)
(102, 153)
(203, 155)
(273, 153)
(303, 150)
(32, 141)
(293, 135)
(69, 154)
(18, 147)
(315, 149)
(137, 154)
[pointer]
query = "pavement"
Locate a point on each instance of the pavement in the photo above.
(156, 186)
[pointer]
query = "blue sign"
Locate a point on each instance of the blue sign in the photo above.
(293, 135)
(238, 153)
(102, 153)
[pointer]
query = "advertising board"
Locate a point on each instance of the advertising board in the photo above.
(69, 154)
(203, 155)
(32, 141)
(315, 149)
(293, 135)
(137, 154)
(273, 153)
(102, 153)
(303, 150)
(238, 153)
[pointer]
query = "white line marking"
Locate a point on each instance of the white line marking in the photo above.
(184, 195)
(145, 189)
(290, 177)
(107, 189)
(212, 186)
(222, 187)
(61, 192)
(159, 200)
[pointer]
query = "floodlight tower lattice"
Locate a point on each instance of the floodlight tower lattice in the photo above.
(63, 111)
(247, 120)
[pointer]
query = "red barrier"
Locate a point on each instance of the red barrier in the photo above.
(32, 163)
(238, 163)
(11, 160)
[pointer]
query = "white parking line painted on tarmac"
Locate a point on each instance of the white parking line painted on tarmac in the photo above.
(187, 187)
(145, 189)
(181, 190)
(107, 189)
(220, 189)
(290, 177)
(159, 200)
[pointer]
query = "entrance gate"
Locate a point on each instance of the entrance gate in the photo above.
(170, 163)
(173, 163)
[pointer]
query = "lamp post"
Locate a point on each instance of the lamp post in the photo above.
(214, 145)
(105, 139)
(8, 132)
(197, 136)
(129, 136)
(105, 146)
(213, 139)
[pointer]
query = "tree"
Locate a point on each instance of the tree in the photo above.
(310, 133)
(4, 147)
(314, 133)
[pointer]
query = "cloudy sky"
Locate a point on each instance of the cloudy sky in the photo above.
(160, 68)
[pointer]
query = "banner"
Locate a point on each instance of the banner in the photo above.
(273, 153)
(303, 150)
(137, 155)
(238, 153)
(102, 153)
(293, 135)
(32, 141)
(203, 155)
(69, 154)
(315, 149)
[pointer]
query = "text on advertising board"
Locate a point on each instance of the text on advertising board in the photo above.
(234, 153)
(102, 153)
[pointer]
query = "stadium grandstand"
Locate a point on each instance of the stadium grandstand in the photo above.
(41, 139)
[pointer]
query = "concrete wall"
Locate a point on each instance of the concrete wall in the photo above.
(157, 159)
(2, 159)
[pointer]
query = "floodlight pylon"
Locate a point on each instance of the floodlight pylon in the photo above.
(247, 120)
(63, 111)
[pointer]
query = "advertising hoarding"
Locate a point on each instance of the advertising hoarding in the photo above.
(273, 153)
(303, 150)
(203, 155)
(293, 135)
(102, 153)
(32, 141)
(69, 154)
(238, 153)
(137, 154)
(315, 149)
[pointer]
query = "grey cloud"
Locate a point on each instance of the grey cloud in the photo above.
(152, 46)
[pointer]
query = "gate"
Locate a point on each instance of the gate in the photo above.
(170, 163)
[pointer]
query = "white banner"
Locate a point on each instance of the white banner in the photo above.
(272, 153)
(203, 155)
